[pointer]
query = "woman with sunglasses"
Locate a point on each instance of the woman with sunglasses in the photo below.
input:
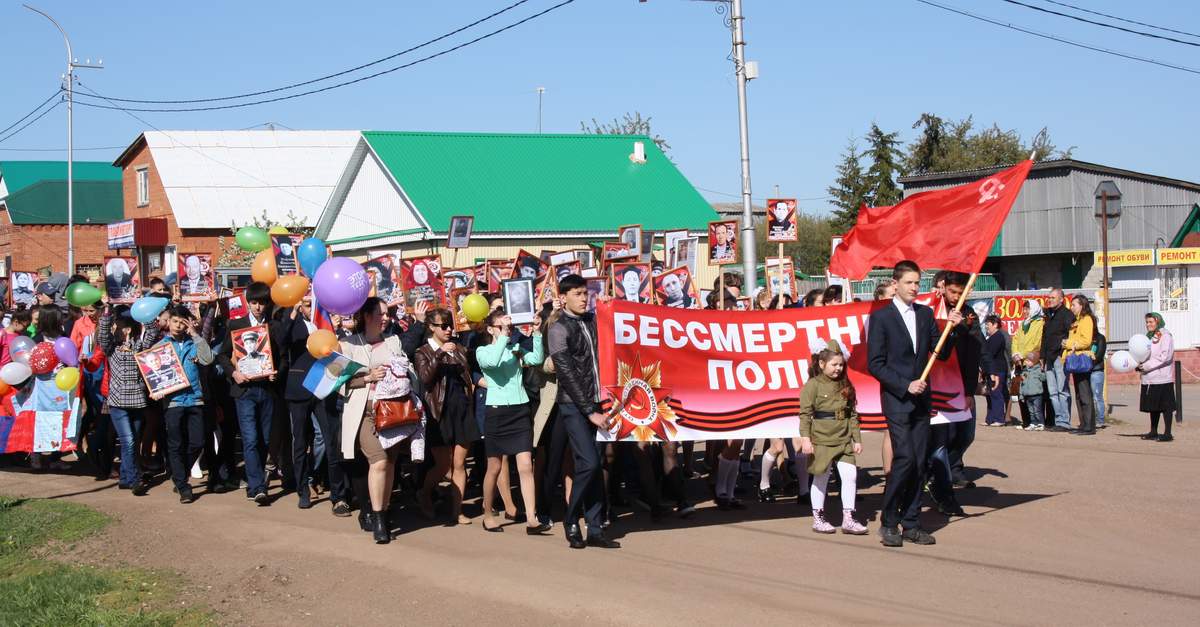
(445, 374)
(508, 422)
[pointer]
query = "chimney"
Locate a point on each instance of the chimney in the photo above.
(639, 153)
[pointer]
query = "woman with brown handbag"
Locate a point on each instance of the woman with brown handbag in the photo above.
(372, 429)
(445, 374)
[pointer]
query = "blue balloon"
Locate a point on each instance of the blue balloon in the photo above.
(147, 308)
(311, 254)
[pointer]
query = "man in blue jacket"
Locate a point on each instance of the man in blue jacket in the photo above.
(184, 416)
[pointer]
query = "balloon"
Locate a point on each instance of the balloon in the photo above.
(475, 307)
(1139, 347)
(20, 349)
(43, 360)
(1122, 361)
(263, 268)
(341, 285)
(66, 351)
(288, 290)
(147, 308)
(5, 388)
(67, 379)
(82, 294)
(252, 238)
(311, 254)
(15, 373)
(278, 230)
(321, 343)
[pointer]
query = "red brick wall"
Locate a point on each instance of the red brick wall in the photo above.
(1190, 358)
(189, 241)
(34, 246)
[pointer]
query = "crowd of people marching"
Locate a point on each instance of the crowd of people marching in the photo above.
(497, 404)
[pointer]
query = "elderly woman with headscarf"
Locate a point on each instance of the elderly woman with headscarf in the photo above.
(1158, 378)
(1027, 339)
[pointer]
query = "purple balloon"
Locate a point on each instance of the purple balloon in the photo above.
(341, 285)
(65, 349)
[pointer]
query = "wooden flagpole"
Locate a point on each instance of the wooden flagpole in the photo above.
(782, 278)
(946, 331)
(721, 293)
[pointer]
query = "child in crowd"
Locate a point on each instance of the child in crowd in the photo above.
(121, 338)
(21, 319)
(184, 415)
(1032, 386)
(829, 435)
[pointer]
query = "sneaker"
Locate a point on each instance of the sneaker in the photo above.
(185, 496)
(261, 498)
(1039, 427)
(141, 488)
(341, 509)
(1031, 428)
(1018, 425)
(820, 525)
(685, 509)
(851, 526)
(1166, 437)
(197, 473)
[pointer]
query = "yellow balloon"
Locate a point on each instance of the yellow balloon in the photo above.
(321, 343)
(475, 307)
(263, 268)
(67, 379)
(278, 230)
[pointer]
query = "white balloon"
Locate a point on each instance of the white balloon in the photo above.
(1139, 347)
(15, 373)
(1122, 361)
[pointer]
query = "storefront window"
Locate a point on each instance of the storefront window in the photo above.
(1172, 288)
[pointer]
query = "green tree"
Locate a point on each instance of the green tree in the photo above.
(884, 152)
(232, 256)
(849, 190)
(810, 253)
(629, 124)
(950, 146)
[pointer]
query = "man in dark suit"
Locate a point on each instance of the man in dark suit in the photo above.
(900, 338)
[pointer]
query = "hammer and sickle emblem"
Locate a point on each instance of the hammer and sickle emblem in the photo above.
(990, 190)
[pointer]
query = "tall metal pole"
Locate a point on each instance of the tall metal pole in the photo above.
(540, 91)
(1104, 246)
(749, 261)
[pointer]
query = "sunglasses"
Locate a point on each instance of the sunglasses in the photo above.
(446, 326)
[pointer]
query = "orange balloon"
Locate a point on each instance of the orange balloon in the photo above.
(321, 343)
(288, 290)
(263, 268)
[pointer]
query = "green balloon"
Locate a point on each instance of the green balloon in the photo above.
(252, 238)
(82, 294)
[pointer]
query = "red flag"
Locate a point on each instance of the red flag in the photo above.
(949, 229)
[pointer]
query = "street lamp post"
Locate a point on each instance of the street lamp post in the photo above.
(1108, 204)
(72, 63)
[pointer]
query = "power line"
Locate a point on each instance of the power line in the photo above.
(35, 110)
(344, 83)
(61, 149)
(1101, 24)
(1162, 28)
(329, 76)
(763, 198)
(29, 123)
(1182, 68)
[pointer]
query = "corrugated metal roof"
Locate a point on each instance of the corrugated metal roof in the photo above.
(936, 178)
(216, 178)
(17, 175)
(544, 183)
(45, 202)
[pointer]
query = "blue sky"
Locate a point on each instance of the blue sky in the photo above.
(828, 69)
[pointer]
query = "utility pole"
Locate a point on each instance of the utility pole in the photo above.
(540, 91)
(749, 263)
(72, 63)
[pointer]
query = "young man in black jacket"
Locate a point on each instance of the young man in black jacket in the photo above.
(572, 345)
(1058, 324)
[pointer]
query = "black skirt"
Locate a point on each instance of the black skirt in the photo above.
(456, 425)
(508, 430)
(1158, 397)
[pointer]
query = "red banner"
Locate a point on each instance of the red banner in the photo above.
(1010, 312)
(684, 374)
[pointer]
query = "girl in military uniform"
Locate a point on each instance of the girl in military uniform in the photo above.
(829, 435)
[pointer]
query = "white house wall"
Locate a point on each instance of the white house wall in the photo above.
(372, 206)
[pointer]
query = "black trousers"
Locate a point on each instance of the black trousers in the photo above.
(185, 441)
(222, 465)
(902, 494)
(330, 423)
(587, 489)
(554, 438)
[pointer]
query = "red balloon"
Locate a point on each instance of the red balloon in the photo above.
(43, 360)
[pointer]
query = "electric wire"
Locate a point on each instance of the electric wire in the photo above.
(1101, 24)
(1114, 17)
(35, 110)
(30, 123)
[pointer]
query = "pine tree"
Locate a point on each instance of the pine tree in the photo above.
(885, 157)
(849, 190)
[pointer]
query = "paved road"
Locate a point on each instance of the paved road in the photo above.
(1065, 530)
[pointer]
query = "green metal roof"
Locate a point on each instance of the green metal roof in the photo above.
(539, 183)
(1191, 224)
(18, 175)
(45, 202)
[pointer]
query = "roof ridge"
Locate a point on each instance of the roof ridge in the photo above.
(530, 135)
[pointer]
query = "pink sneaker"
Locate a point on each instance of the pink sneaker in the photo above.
(820, 525)
(851, 526)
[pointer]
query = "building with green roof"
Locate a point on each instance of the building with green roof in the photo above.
(526, 191)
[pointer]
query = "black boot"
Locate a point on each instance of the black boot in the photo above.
(379, 527)
(364, 520)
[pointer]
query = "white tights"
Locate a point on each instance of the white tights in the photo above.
(849, 475)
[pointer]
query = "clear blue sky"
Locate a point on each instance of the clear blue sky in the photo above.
(828, 70)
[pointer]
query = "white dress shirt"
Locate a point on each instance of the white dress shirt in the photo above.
(909, 315)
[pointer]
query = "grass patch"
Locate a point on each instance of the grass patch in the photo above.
(38, 590)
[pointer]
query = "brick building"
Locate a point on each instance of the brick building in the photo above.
(205, 182)
(33, 214)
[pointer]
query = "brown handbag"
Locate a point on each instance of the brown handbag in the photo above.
(395, 413)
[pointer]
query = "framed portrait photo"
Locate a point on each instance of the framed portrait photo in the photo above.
(781, 220)
(631, 235)
(24, 288)
(252, 352)
(457, 296)
(631, 282)
(722, 242)
(675, 288)
(670, 244)
(460, 231)
(458, 278)
(586, 257)
(567, 268)
(686, 252)
(528, 266)
(596, 288)
(199, 279)
(563, 257)
(284, 246)
(384, 278)
(421, 280)
(781, 277)
(121, 280)
(498, 271)
(519, 301)
(743, 304)
(161, 370)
